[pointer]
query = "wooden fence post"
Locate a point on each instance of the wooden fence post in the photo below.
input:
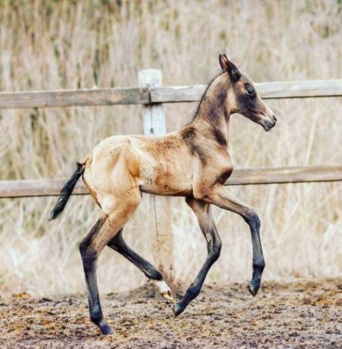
(159, 206)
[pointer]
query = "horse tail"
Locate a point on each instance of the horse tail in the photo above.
(67, 191)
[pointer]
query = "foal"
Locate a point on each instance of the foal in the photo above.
(194, 162)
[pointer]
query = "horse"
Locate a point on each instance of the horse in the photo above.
(193, 162)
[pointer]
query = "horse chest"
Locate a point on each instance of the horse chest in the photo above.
(219, 169)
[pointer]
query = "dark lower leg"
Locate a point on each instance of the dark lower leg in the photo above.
(207, 225)
(195, 288)
(222, 198)
(89, 259)
(258, 257)
(118, 244)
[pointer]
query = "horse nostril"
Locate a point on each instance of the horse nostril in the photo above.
(274, 118)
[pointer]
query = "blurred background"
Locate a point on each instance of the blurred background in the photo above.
(68, 44)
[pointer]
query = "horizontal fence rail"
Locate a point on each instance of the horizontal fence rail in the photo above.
(267, 90)
(74, 98)
(170, 94)
(265, 175)
(164, 94)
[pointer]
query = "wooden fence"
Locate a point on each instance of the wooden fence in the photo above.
(151, 94)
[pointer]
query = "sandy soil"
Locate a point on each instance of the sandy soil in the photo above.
(300, 314)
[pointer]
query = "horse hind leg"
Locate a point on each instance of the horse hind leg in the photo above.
(91, 247)
(89, 256)
(118, 244)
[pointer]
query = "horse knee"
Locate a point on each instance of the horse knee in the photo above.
(252, 219)
(88, 254)
(216, 250)
(83, 247)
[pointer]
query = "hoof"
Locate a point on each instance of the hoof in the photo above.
(105, 328)
(178, 309)
(165, 290)
(253, 288)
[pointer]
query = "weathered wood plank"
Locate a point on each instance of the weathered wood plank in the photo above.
(267, 90)
(74, 98)
(277, 175)
(36, 187)
(253, 176)
(300, 89)
(165, 94)
(160, 229)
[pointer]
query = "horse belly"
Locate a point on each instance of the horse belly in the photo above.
(166, 180)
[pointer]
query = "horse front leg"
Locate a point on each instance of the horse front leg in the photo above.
(220, 197)
(203, 212)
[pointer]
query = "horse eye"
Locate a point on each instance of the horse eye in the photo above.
(251, 91)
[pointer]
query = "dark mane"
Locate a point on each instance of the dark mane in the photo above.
(205, 92)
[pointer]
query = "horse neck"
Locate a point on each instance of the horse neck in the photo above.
(212, 116)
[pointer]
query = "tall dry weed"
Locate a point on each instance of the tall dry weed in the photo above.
(80, 44)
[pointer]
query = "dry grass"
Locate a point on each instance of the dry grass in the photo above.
(69, 44)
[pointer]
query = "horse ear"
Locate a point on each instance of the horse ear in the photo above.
(230, 67)
(224, 62)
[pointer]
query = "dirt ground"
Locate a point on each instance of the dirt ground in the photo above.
(300, 314)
